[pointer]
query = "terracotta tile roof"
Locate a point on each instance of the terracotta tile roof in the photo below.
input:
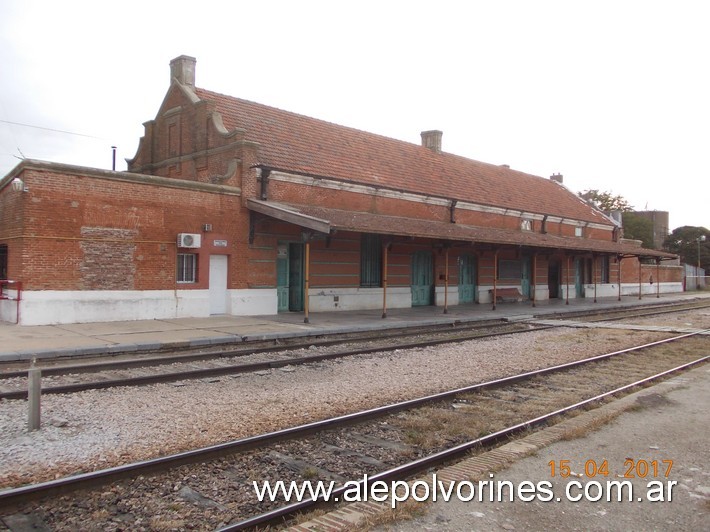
(300, 144)
(325, 218)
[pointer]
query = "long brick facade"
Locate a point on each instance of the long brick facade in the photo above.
(291, 214)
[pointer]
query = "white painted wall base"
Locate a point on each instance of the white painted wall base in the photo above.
(542, 293)
(630, 289)
(252, 302)
(50, 307)
(8, 307)
(453, 298)
(330, 299)
(572, 292)
(603, 290)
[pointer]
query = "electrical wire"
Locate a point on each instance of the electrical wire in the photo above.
(51, 129)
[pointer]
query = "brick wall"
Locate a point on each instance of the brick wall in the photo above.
(109, 231)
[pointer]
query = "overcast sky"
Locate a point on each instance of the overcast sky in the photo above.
(615, 95)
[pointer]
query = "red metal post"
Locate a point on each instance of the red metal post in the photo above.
(446, 281)
(594, 275)
(534, 278)
(384, 282)
(567, 278)
(308, 282)
(495, 277)
(619, 257)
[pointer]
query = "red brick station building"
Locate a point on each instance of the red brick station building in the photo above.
(234, 207)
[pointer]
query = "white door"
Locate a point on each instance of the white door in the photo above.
(218, 284)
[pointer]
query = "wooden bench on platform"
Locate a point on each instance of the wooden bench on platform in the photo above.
(507, 295)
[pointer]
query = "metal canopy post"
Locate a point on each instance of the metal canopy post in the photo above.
(594, 275)
(534, 278)
(639, 259)
(567, 278)
(446, 280)
(495, 277)
(307, 276)
(658, 277)
(619, 258)
(384, 280)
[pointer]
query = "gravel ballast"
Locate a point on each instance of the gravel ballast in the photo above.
(102, 428)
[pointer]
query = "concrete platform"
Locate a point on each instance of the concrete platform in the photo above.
(47, 341)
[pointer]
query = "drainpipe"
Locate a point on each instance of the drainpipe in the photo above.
(265, 173)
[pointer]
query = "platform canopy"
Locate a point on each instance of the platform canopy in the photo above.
(328, 221)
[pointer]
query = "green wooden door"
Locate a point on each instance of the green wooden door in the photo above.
(282, 277)
(295, 277)
(525, 278)
(467, 279)
(422, 278)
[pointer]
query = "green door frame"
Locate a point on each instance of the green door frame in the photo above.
(422, 278)
(296, 276)
(467, 279)
(290, 276)
(525, 275)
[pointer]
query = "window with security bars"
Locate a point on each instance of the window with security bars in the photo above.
(186, 268)
(370, 261)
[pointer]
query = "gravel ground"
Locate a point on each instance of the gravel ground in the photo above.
(102, 428)
(696, 318)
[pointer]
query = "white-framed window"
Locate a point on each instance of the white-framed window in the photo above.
(526, 224)
(579, 231)
(187, 268)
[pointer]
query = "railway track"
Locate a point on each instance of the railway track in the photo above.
(76, 378)
(637, 312)
(211, 488)
(138, 371)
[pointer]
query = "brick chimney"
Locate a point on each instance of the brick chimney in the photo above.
(183, 69)
(556, 177)
(432, 140)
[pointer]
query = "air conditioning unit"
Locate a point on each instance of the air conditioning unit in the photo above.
(189, 240)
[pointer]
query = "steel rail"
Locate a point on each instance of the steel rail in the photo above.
(246, 368)
(406, 470)
(250, 367)
(388, 334)
(104, 476)
(661, 308)
(191, 357)
(257, 366)
(655, 311)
